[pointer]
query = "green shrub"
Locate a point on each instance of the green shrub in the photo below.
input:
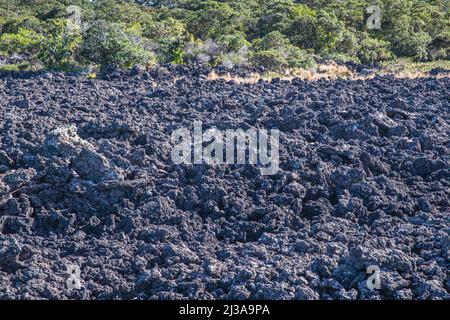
(373, 51)
(9, 68)
(234, 42)
(408, 40)
(273, 40)
(23, 22)
(347, 43)
(303, 31)
(275, 15)
(413, 45)
(169, 36)
(54, 47)
(208, 52)
(26, 42)
(298, 58)
(329, 29)
(234, 58)
(59, 45)
(270, 59)
(210, 19)
(343, 58)
(275, 52)
(178, 56)
(112, 43)
(222, 31)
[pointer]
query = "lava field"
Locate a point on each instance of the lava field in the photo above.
(86, 179)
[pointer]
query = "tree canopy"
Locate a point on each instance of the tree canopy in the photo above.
(275, 34)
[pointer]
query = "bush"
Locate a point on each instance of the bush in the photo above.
(303, 31)
(407, 41)
(114, 43)
(284, 56)
(9, 68)
(59, 45)
(298, 58)
(225, 32)
(343, 58)
(234, 42)
(177, 56)
(26, 42)
(373, 51)
(413, 45)
(276, 15)
(235, 58)
(54, 47)
(347, 43)
(211, 19)
(329, 29)
(270, 59)
(169, 37)
(24, 22)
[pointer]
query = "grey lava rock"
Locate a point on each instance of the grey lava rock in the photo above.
(86, 179)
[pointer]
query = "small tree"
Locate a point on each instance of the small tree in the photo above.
(210, 19)
(169, 37)
(373, 51)
(24, 41)
(59, 45)
(409, 42)
(112, 43)
(275, 52)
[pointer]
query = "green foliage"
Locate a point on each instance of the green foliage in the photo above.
(273, 40)
(178, 56)
(203, 52)
(10, 68)
(272, 33)
(270, 59)
(234, 58)
(329, 29)
(374, 51)
(275, 52)
(168, 37)
(25, 41)
(347, 43)
(343, 58)
(234, 42)
(54, 48)
(408, 42)
(277, 15)
(58, 45)
(413, 45)
(210, 19)
(115, 44)
(303, 30)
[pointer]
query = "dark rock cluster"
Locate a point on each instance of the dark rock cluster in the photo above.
(86, 179)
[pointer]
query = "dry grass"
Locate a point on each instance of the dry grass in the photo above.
(330, 71)
(252, 78)
(415, 75)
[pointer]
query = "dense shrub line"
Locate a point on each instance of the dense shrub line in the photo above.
(275, 34)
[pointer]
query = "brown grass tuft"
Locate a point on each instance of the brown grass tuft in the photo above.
(331, 71)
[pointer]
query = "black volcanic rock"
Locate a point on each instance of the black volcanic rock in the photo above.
(86, 178)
